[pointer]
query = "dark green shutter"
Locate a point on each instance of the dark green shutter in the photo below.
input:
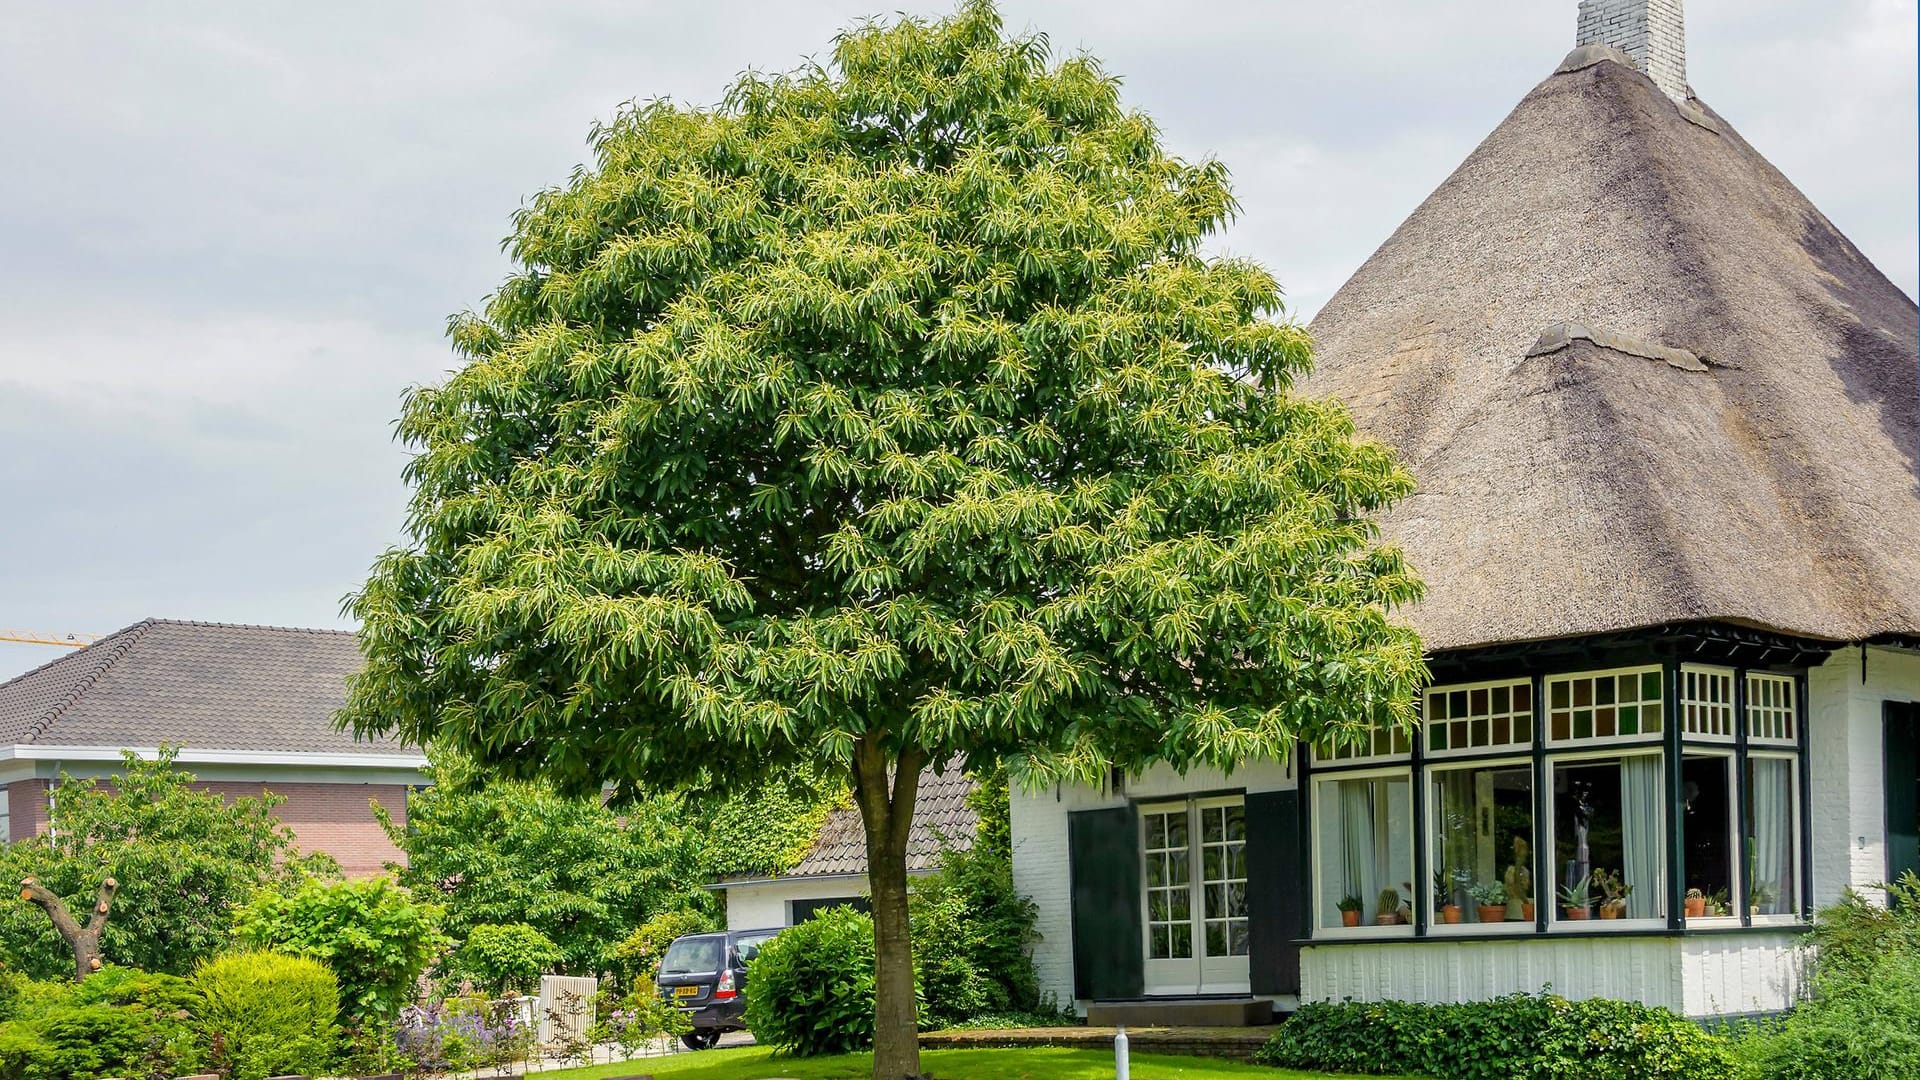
(1274, 905)
(1902, 756)
(1103, 863)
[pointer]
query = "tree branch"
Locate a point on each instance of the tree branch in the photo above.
(84, 941)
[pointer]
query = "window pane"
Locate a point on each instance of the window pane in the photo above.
(1482, 840)
(1365, 836)
(1771, 797)
(1707, 811)
(1609, 840)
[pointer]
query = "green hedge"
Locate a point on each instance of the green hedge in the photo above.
(1520, 1037)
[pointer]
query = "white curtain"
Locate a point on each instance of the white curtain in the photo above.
(1358, 847)
(1772, 790)
(1643, 840)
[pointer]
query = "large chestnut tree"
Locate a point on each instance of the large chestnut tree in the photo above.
(886, 414)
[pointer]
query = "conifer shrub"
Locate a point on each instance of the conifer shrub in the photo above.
(267, 1014)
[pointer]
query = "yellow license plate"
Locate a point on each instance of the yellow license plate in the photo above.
(686, 991)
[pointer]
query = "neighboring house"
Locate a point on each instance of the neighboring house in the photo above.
(833, 872)
(250, 708)
(1666, 427)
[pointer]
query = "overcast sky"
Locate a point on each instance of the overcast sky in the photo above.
(231, 233)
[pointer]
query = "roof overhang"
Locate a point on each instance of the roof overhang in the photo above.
(792, 879)
(188, 755)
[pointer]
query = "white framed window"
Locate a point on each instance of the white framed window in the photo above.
(1379, 744)
(1706, 703)
(1607, 819)
(1477, 717)
(1480, 847)
(1709, 831)
(1771, 710)
(1363, 853)
(1773, 808)
(1623, 705)
(1167, 851)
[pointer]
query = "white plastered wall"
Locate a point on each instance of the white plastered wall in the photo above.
(1040, 848)
(763, 905)
(1846, 769)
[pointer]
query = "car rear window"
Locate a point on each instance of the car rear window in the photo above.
(693, 954)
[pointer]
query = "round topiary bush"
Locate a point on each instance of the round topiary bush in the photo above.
(810, 991)
(506, 956)
(266, 1014)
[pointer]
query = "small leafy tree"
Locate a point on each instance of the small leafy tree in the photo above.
(572, 868)
(373, 935)
(509, 957)
(146, 870)
(887, 414)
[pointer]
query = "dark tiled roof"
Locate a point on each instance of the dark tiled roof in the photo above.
(205, 686)
(941, 818)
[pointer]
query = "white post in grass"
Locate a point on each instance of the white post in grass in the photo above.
(1120, 1065)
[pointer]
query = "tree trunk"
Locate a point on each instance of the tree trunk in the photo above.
(83, 940)
(887, 813)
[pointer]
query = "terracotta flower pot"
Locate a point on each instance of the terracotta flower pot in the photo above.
(1493, 913)
(1574, 914)
(1450, 913)
(1612, 911)
(1526, 911)
(1392, 918)
(1349, 918)
(1696, 906)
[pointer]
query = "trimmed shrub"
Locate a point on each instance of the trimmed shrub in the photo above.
(501, 957)
(24, 1055)
(810, 991)
(115, 1040)
(1519, 1037)
(266, 1014)
(162, 994)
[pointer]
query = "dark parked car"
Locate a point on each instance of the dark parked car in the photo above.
(706, 976)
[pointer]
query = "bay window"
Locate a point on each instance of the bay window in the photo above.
(1363, 846)
(1480, 818)
(1571, 802)
(1609, 838)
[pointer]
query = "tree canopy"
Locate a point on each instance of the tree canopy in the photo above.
(182, 859)
(887, 413)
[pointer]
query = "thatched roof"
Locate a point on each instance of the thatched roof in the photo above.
(1640, 380)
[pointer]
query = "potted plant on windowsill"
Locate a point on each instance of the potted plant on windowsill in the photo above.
(1387, 911)
(1491, 900)
(1717, 904)
(1765, 895)
(1350, 908)
(1443, 900)
(1615, 890)
(1576, 900)
(1695, 904)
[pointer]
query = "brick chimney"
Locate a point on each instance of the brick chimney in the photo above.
(1652, 32)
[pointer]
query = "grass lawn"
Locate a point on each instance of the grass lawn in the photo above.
(1038, 1063)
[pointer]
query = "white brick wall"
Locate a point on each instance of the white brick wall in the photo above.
(1040, 849)
(1652, 32)
(1846, 770)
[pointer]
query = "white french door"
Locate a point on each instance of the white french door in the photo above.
(1194, 895)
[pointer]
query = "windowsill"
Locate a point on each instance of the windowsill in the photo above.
(1396, 932)
(1711, 922)
(1638, 928)
(1480, 929)
(1559, 925)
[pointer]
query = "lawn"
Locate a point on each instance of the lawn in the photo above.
(1038, 1063)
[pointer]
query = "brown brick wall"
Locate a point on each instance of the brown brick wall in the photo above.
(334, 818)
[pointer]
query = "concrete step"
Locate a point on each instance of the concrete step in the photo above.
(1181, 1012)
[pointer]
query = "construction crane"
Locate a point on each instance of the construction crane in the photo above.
(34, 637)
